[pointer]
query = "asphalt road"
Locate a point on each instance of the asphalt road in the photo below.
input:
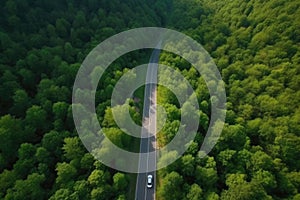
(148, 144)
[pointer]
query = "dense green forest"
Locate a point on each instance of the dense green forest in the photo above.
(255, 45)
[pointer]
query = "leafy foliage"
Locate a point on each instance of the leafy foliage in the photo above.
(255, 45)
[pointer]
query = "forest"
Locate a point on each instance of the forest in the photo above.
(255, 45)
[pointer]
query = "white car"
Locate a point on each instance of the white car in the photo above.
(149, 181)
